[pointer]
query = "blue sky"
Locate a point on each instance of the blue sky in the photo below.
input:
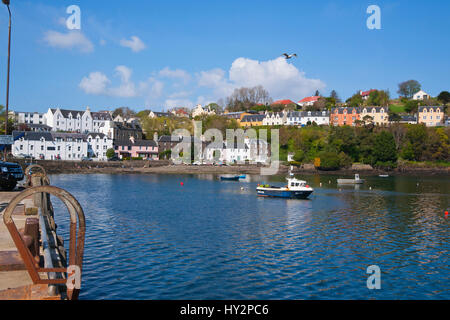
(188, 52)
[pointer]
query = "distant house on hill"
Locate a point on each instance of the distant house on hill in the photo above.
(284, 102)
(421, 95)
(202, 111)
(308, 101)
(155, 114)
(365, 94)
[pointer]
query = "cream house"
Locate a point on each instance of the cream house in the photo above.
(431, 116)
(378, 115)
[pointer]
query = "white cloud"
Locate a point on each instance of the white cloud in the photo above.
(135, 44)
(280, 78)
(175, 74)
(127, 88)
(69, 40)
(95, 83)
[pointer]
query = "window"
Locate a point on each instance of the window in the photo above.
(31, 147)
(21, 147)
(42, 148)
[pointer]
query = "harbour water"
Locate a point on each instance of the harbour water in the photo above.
(149, 237)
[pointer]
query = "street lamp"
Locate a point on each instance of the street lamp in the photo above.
(6, 2)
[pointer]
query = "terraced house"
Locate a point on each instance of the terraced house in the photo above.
(318, 117)
(375, 115)
(274, 118)
(75, 120)
(253, 120)
(431, 116)
(50, 145)
(344, 116)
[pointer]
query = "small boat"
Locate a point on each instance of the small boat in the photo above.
(384, 176)
(242, 176)
(295, 189)
(357, 180)
(234, 178)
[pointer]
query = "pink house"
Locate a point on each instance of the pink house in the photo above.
(146, 149)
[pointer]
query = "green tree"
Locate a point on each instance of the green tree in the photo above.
(444, 97)
(110, 153)
(384, 149)
(409, 88)
(355, 101)
(411, 106)
(378, 98)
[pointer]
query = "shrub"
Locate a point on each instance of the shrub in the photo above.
(329, 161)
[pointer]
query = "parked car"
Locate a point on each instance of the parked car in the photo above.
(86, 159)
(10, 174)
(114, 158)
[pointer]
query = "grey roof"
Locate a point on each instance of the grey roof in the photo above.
(102, 115)
(167, 138)
(408, 118)
(433, 107)
(315, 113)
(33, 136)
(36, 125)
(64, 135)
(349, 110)
(253, 118)
(377, 109)
(97, 134)
(66, 112)
(162, 114)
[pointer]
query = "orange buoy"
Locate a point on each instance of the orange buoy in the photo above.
(446, 214)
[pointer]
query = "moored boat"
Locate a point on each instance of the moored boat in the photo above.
(225, 178)
(357, 180)
(295, 189)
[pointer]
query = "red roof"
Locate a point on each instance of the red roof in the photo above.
(366, 93)
(309, 99)
(285, 102)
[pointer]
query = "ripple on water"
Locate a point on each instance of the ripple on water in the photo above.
(148, 238)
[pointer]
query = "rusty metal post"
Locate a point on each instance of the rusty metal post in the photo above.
(76, 243)
(32, 230)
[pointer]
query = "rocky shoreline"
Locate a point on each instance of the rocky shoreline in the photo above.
(164, 167)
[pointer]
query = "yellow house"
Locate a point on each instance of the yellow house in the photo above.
(431, 116)
(252, 120)
(236, 115)
(378, 115)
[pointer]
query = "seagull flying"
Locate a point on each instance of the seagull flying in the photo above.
(289, 56)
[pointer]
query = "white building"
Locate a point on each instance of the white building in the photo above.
(293, 118)
(60, 146)
(202, 111)
(274, 118)
(421, 95)
(76, 121)
(98, 144)
(318, 117)
(29, 117)
(252, 150)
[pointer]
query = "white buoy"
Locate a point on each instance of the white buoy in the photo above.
(321, 184)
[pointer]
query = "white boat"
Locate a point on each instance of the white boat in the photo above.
(384, 176)
(357, 180)
(295, 189)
